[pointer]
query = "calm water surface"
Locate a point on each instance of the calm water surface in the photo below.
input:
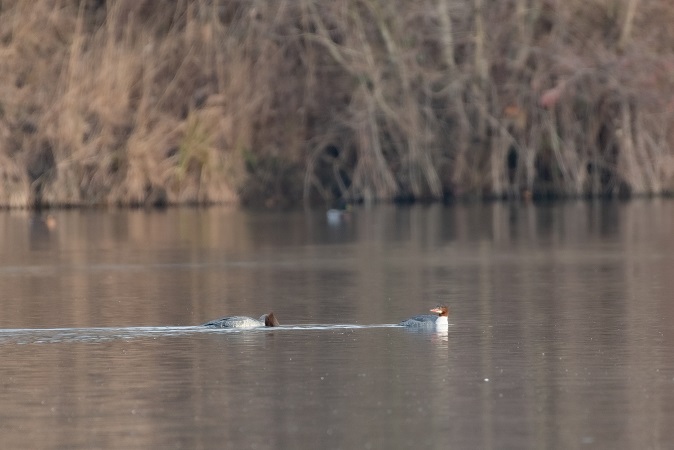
(561, 335)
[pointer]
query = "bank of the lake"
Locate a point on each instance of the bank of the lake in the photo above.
(124, 102)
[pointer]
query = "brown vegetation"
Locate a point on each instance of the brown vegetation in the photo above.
(138, 102)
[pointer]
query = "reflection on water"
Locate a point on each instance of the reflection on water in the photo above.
(560, 337)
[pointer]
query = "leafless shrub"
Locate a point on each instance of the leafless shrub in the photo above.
(143, 102)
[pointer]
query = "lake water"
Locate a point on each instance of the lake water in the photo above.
(561, 334)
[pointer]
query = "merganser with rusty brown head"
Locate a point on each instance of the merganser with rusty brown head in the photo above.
(439, 320)
(266, 320)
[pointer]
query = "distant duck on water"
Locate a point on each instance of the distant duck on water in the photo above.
(338, 214)
(266, 320)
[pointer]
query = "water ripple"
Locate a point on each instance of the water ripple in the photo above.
(94, 335)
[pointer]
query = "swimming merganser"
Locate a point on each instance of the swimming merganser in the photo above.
(266, 320)
(428, 320)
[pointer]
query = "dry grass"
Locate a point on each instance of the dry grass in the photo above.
(136, 102)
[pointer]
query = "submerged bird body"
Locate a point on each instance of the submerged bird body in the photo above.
(427, 320)
(266, 320)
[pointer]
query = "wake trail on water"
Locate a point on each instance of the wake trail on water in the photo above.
(103, 334)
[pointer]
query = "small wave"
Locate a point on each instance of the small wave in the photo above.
(331, 326)
(102, 334)
(58, 335)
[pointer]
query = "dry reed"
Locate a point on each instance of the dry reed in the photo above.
(149, 103)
